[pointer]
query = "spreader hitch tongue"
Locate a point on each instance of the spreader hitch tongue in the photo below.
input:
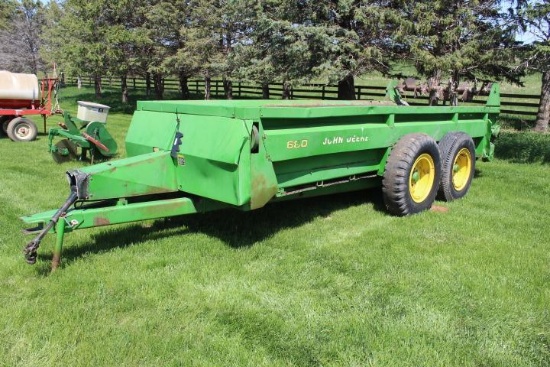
(32, 246)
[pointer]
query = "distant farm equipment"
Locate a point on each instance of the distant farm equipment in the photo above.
(83, 134)
(451, 92)
(21, 97)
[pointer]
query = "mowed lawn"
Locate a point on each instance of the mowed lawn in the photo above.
(331, 281)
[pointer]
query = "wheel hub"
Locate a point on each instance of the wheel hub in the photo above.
(422, 178)
(461, 169)
(22, 131)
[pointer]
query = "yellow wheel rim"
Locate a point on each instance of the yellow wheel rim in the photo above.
(462, 167)
(422, 177)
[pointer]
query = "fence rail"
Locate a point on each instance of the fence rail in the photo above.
(515, 105)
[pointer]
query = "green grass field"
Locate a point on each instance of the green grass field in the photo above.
(332, 281)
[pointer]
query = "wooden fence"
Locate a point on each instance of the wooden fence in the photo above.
(520, 106)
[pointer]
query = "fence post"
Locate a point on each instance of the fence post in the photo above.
(323, 93)
(359, 92)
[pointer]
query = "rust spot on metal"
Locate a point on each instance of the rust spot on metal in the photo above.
(262, 191)
(99, 221)
(56, 260)
(172, 207)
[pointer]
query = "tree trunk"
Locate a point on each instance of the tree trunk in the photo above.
(97, 85)
(158, 85)
(434, 88)
(265, 91)
(286, 90)
(184, 88)
(228, 88)
(346, 88)
(207, 86)
(543, 114)
(147, 83)
(124, 87)
(452, 89)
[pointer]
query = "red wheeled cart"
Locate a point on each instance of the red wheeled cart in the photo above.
(20, 97)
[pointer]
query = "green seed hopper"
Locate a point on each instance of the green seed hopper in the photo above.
(187, 157)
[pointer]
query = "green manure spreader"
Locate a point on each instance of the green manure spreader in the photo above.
(188, 157)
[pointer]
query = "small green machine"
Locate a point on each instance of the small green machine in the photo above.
(83, 134)
(187, 157)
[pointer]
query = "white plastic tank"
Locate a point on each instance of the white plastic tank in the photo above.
(90, 111)
(18, 90)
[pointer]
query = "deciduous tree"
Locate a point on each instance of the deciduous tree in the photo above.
(20, 29)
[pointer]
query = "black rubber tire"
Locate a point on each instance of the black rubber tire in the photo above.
(4, 121)
(458, 166)
(22, 129)
(254, 139)
(398, 185)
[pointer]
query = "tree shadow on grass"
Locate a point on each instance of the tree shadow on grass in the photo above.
(235, 228)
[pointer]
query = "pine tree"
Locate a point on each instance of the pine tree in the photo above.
(162, 23)
(360, 30)
(94, 37)
(8, 9)
(210, 32)
(295, 42)
(454, 39)
(200, 51)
